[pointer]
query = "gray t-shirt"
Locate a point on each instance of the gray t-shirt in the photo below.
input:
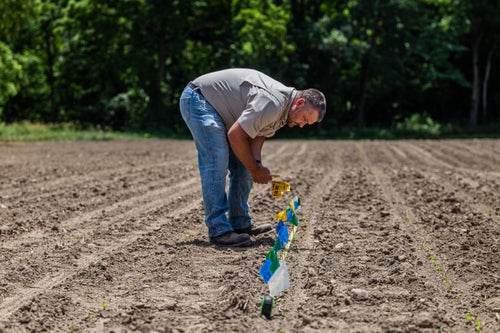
(259, 103)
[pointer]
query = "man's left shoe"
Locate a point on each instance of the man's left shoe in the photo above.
(255, 230)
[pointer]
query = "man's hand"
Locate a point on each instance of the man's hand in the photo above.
(262, 175)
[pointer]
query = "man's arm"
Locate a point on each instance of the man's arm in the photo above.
(244, 148)
(256, 145)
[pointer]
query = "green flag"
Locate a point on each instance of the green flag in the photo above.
(275, 262)
(277, 245)
(294, 220)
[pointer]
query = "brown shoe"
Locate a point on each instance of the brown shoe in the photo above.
(232, 238)
(255, 230)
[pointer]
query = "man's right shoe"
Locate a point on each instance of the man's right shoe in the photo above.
(232, 238)
(255, 230)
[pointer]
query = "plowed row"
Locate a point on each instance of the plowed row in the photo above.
(396, 236)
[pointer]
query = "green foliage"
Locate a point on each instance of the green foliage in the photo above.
(420, 124)
(261, 34)
(399, 67)
(15, 15)
(11, 72)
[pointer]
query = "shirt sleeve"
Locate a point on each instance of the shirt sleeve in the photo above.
(262, 110)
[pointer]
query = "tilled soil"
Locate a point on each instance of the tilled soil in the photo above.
(394, 236)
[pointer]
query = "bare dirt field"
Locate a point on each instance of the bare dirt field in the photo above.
(394, 236)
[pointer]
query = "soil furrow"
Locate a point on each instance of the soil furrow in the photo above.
(429, 228)
(22, 296)
(306, 254)
(47, 211)
(395, 236)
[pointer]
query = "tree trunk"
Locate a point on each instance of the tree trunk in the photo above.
(476, 80)
(54, 112)
(156, 103)
(365, 84)
(365, 74)
(485, 84)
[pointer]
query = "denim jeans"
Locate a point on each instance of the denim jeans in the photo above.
(215, 158)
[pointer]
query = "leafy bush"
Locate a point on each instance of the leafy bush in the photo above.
(421, 125)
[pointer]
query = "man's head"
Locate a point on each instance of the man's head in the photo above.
(308, 107)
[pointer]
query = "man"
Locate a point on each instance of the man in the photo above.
(230, 113)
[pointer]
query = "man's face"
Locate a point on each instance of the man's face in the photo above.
(301, 114)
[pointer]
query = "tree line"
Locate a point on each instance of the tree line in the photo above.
(122, 64)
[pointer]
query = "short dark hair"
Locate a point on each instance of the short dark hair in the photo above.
(317, 100)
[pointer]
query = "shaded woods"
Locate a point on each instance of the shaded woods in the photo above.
(122, 64)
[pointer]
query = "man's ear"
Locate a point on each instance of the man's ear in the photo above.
(300, 101)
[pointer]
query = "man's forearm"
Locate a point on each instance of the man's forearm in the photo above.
(256, 145)
(241, 144)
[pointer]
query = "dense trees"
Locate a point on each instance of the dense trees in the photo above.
(123, 63)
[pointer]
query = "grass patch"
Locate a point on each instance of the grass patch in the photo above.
(416, 127)
(413, 127)
(29, 132)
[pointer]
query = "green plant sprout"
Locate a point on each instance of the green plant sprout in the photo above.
(82, 239)
(185, 238)
(72, 327)
(438, 266)
(478, 326)
(104, 305)
(408, 218)
(91, 318)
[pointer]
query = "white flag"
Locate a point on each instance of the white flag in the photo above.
(279, 281)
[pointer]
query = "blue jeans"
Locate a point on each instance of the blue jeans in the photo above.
(215, 158)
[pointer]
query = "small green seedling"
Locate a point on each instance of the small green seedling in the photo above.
(432, 258)
(478, 326)
(104, 305)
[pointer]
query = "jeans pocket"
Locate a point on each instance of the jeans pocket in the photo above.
(185, 106)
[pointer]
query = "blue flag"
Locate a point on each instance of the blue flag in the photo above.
(295, 203)
(265, 271)
(282, 232)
